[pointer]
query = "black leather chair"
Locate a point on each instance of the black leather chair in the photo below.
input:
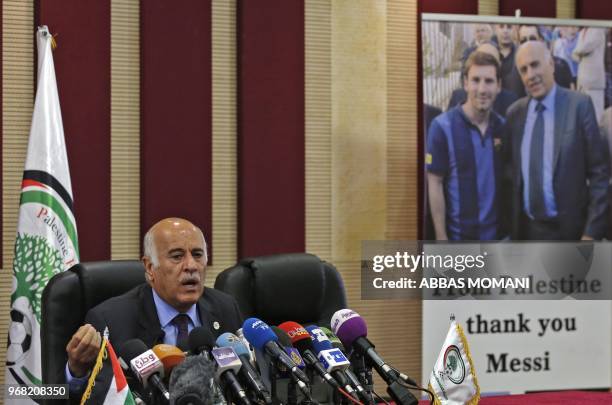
(67, 298)
(296, 287)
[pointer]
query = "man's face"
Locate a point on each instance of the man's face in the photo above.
(180, 276)
(528, 33)
(481, 86)
(482, 33)
(504, 34)
(536, 70)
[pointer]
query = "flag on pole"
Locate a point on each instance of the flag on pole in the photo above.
(107, 384)
(453, 378)
(46, 241)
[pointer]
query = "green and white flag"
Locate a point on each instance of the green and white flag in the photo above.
(46, 242)
(453, 378)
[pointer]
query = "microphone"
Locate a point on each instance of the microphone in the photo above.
(333, 339)
(228, 365)
(351, 329)
(169, 355)
(300, 338)
(336, 343)
(335, 362)
(247, 371)
(201, 341)
(249, 346)
(145, 365)
(285, 342)
(191, 382)
(259, 334)
(332, 359)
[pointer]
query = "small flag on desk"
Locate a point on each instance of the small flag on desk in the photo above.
(453, 378)
(107, 384)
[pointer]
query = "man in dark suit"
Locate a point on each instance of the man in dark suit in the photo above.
(559, 161)
(163, 310)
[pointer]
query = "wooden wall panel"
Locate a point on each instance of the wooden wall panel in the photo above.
(125, 129)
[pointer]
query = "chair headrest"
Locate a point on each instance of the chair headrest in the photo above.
(101, 280)
(288, 287)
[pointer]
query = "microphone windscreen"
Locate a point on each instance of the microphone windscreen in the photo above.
(283, 339)
(230, 340)
(191, 382)
(258, 333)
(319, 340)
(335, 342)
(303, 345)
(132, 349)
(348, 326)
(200, 338)
(170, 356)
(295, 331)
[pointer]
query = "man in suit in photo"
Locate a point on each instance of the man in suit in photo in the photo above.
(165, 309)
(558, 158)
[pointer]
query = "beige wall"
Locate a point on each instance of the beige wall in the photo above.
(361, 150)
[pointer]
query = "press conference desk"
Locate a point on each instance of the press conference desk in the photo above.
(546, 398)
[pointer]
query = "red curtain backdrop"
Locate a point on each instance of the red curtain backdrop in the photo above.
(529, 8)
(176, 112)
(593, 9)
(82, 66)
(271, 127)
(449, 6)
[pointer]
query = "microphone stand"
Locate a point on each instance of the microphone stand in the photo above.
(398, 392)
(273, 377)
(292, 392)
(364, 373)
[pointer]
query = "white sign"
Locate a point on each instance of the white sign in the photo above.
(520, 346)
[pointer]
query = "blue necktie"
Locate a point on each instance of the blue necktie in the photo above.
(182, 324)
(537, 205)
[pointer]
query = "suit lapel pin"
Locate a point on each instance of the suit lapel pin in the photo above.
(216, 325)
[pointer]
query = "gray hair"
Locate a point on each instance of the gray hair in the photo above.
(150, 249)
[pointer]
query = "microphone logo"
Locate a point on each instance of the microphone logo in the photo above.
(318, 335)
(341, 316)
(297, 332)
(296, 359)
(143, 361)
(224, 355)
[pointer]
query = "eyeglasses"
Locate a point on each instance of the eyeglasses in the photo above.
(529, 38)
